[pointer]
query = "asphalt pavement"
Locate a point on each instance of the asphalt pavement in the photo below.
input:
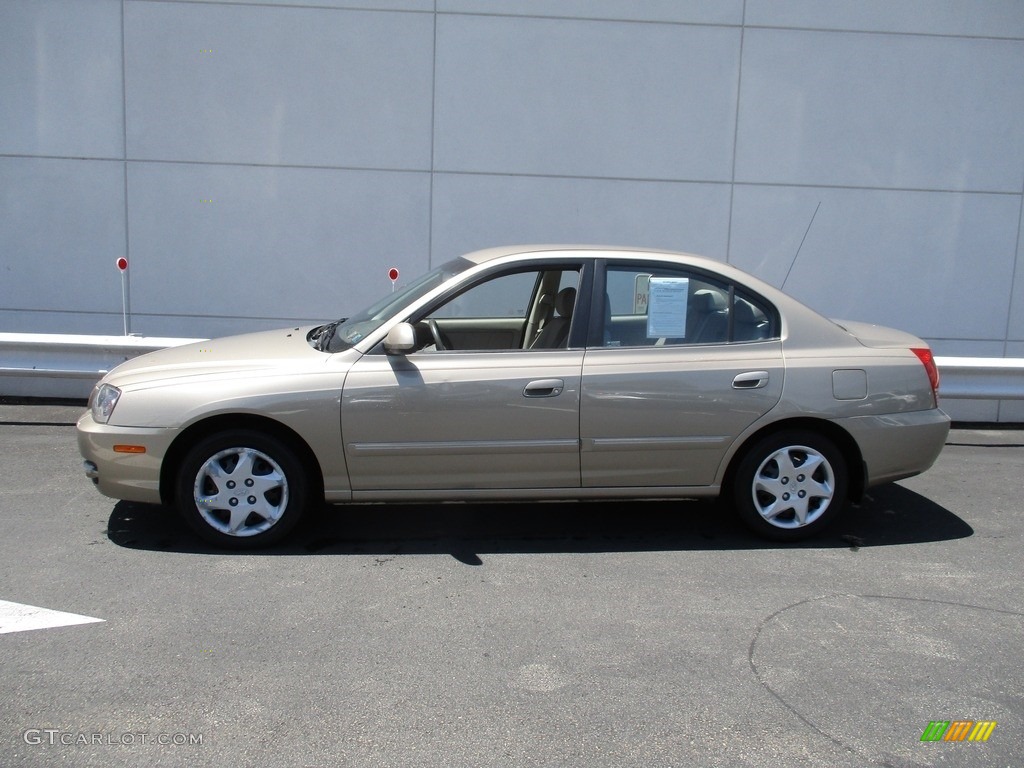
(555, 634)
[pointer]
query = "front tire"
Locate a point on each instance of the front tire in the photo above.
(790, 485)
(242, 489)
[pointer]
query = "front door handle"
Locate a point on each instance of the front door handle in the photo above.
(544, 388)
(751, 380)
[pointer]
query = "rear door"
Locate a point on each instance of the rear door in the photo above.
(682, 364)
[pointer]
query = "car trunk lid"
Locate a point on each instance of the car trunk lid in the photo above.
(879, 336)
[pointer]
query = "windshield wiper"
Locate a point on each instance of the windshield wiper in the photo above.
(321, 337)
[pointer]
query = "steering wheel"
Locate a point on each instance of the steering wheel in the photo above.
(436, 333)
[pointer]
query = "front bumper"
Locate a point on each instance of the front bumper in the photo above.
(118, 474)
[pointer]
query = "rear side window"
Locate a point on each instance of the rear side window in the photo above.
(655, 305)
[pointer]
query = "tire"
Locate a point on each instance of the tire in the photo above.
(242, 489)
(790, 485)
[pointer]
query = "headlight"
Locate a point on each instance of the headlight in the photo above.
(104, 398)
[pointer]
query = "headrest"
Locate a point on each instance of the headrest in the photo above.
(742, 312)
(565, 301)
(705, 301)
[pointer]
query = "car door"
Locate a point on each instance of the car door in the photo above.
(465, 420)
(683, 364)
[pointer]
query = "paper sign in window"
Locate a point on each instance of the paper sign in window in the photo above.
(640, 290)
(666, 307)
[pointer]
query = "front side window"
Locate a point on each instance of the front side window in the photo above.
(521, 309)
(505, 296)
(658, 305)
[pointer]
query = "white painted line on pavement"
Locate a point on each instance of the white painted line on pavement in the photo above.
(15, 617)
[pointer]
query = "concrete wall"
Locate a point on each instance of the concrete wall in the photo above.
(265, 163)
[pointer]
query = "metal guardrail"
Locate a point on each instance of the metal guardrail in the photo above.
(79, 361)
(67, 365)
(981, 378)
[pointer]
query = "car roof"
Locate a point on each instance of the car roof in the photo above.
(555, 250)
(618, 252)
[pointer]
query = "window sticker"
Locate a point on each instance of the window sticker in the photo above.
(666, 307)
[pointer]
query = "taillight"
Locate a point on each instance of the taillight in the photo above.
(928, 360)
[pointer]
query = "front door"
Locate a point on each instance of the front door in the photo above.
(488, 402)
(463, 420)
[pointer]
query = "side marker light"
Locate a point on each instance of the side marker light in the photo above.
(129, 449)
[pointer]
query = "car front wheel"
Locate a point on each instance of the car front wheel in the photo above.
(242, 489)
(790, 485)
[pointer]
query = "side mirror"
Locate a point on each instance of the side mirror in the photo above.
(400, 339)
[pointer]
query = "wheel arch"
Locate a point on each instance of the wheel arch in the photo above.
(178, 449)
(843, 440)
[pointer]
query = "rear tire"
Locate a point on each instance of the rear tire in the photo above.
(790, 485)
(242, 489)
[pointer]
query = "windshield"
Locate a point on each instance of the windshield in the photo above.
(345, 333)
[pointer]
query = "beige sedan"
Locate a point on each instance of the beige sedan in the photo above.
(561, 372)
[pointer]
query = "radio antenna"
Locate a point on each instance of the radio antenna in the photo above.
(799, 247)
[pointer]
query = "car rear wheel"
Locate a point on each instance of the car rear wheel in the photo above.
(242, 489)
(790, 485)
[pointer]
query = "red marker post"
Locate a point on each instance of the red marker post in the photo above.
(393, 277)
(122, 267)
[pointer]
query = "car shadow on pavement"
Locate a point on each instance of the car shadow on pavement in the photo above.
(890, 515)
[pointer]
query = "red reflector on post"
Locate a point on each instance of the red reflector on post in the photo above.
(129, 449)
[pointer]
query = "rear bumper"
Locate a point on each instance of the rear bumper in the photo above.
(118, 474)
(898, 445)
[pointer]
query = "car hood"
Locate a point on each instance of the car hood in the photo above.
(281, 351)
(878, 336)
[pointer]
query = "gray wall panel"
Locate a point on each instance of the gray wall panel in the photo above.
(585, 98)
(378, 5)
(63, 231)
(881, 111)
(60, 78)
(689, 11)
(984, 18)
(475, 211)
(1015, 325)
(282, 86)
(285, 244)
(1010, 411)
(936, 264)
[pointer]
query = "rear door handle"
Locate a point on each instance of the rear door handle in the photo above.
(544, 388)
(751, 380)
